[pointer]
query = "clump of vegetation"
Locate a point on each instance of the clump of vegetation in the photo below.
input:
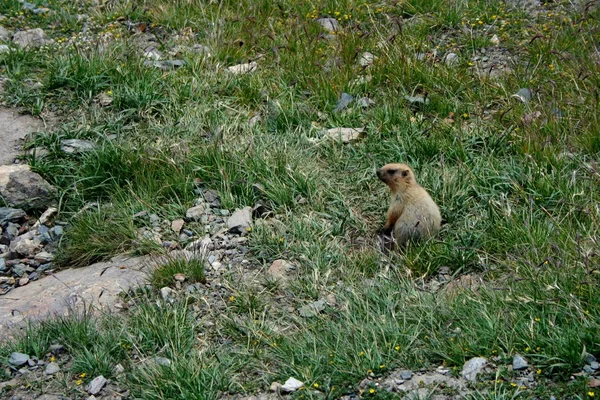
(183, 268)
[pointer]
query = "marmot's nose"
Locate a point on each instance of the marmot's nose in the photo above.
(379, 172)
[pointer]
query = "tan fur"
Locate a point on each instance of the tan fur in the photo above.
(413, 214)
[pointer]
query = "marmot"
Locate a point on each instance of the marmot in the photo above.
(412, 214)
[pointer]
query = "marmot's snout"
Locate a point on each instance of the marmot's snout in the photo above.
(380, 173)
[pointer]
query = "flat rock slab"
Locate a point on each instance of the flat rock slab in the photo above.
(13, 128)
(70, 289)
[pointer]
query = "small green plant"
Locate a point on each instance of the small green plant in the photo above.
(190, 269)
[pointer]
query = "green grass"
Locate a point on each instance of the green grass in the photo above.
(192, 268)
(519, 195)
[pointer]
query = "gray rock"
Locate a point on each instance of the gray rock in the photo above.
(195, 213)
(12, 230)
(365, 102)
(162, 361)
(594, 365)
(312, 309)
(164, 65)
(10, 215)
(519, 363)
(18, 359)
(345, 135)
(211, 196)
(74, 146)
(4, 48)
(2, 265)
(58, 231)
(366, 59)
(588, 370)
(451, 59)
(31, 38)
(240, 220)
(524, 94)
(243, 68)
(20, 187)
(4, 34)
(44, 257)
(589, 358)
(96, 385)
(26, 245)
(291, 385)
(51, 369)
(329, 24)
(417, 99)
(472, 368)
(167, 293)
(406, 374)
(345, 100)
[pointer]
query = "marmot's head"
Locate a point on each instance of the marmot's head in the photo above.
(397, 176)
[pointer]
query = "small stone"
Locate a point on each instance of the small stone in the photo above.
(23, 281)
(312, 309)
(417, 100)
(345, 135)
(21, 187)
(524, 94)
(240, 220)
(195, 213)
(588, 370)
(451, 59)
(44, 257)
(51, 369)
(162, 361)
(366, 59)
(472, 368)
(594, 365)
(365, 102)
(118, 370)
(224, 213)
(589, 358)
(211, 196)
(74, 146)
(243, 68)
(18, 359)
(31, 38)
(291, 385)
(166, 293)
(58, 231)
(275, 387)
(280, 269)
(4, 34)
(177, 225)
(495, 40)
(4, 48)
(96, 385)
(47, 215)
(179, 277)
(519, 363)
(56, 348)
(406, 374)
(345, 100)
(104, 99)
(152, 53)
(329, 24)
(10, 215)
(164, 65)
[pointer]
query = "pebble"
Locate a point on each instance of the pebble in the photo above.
(312, 309)
(52, 369)
(472, 368)
(366, 59)
(243, 68)
(194, 213)
(594, 365)
(18, 359)
(96, 385)
(240, 220)
(344, 101)
(291, 385)
(345, 135)
(519, 363)
(451, 59)
(329, 24)
(74, 146)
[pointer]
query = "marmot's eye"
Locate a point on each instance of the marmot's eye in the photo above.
(404, 174)
(391, 171)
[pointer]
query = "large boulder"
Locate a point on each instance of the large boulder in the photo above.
(31, 38)
(22, 188)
